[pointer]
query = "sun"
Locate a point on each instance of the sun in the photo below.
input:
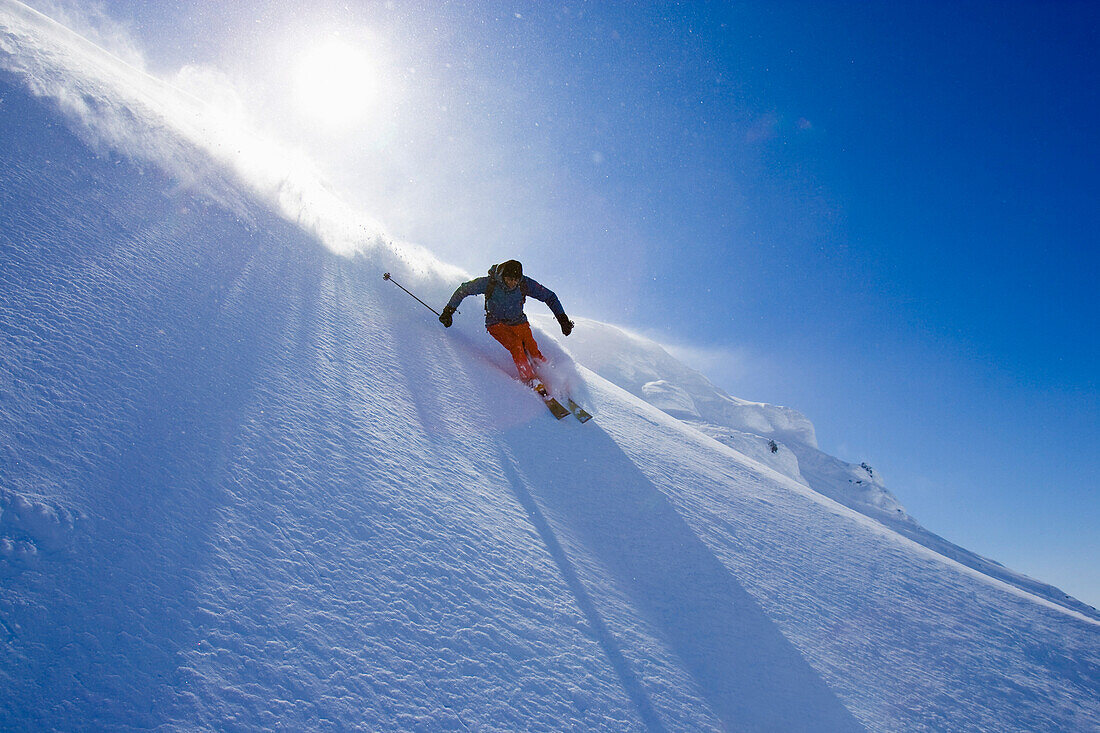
(337, 84)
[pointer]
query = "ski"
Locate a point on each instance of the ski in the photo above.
(555, 407)
(578, 412)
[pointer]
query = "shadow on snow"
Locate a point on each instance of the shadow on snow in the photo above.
(751, 676)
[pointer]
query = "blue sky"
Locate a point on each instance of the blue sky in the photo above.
(881, 214)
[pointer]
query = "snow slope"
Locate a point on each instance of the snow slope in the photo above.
(247, 484)
(646, 370)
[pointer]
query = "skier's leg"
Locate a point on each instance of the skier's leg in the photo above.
(513, 341)
(531, 347)
(529, 343)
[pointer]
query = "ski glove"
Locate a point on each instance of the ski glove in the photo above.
(446, 318)
(566, 324)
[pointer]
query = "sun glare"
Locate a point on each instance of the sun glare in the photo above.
(336, 84)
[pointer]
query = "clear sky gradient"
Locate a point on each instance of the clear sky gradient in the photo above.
(882, 214)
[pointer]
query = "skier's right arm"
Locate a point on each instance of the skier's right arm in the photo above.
(476, 286)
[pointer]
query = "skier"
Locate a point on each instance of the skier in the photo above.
(505, 290)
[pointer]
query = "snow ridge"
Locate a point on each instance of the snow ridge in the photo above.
(770, 434)
(778, 437)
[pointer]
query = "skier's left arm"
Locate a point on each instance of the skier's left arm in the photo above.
(546, 295)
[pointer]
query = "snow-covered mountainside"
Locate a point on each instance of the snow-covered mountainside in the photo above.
(646, 370)
(247, 484)
(778, 437)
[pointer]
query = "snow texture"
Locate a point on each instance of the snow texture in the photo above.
(247, 484)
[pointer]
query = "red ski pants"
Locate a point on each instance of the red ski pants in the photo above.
(520, 344)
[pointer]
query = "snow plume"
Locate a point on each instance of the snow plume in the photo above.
(193, 127)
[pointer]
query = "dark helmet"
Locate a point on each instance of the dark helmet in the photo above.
(511, 268)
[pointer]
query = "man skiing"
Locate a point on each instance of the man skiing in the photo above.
(505, 290)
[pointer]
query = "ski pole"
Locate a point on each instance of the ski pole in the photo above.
(386, 276)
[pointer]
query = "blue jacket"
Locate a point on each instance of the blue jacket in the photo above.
(504, 305)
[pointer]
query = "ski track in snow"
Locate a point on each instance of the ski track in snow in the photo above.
(247, 484)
